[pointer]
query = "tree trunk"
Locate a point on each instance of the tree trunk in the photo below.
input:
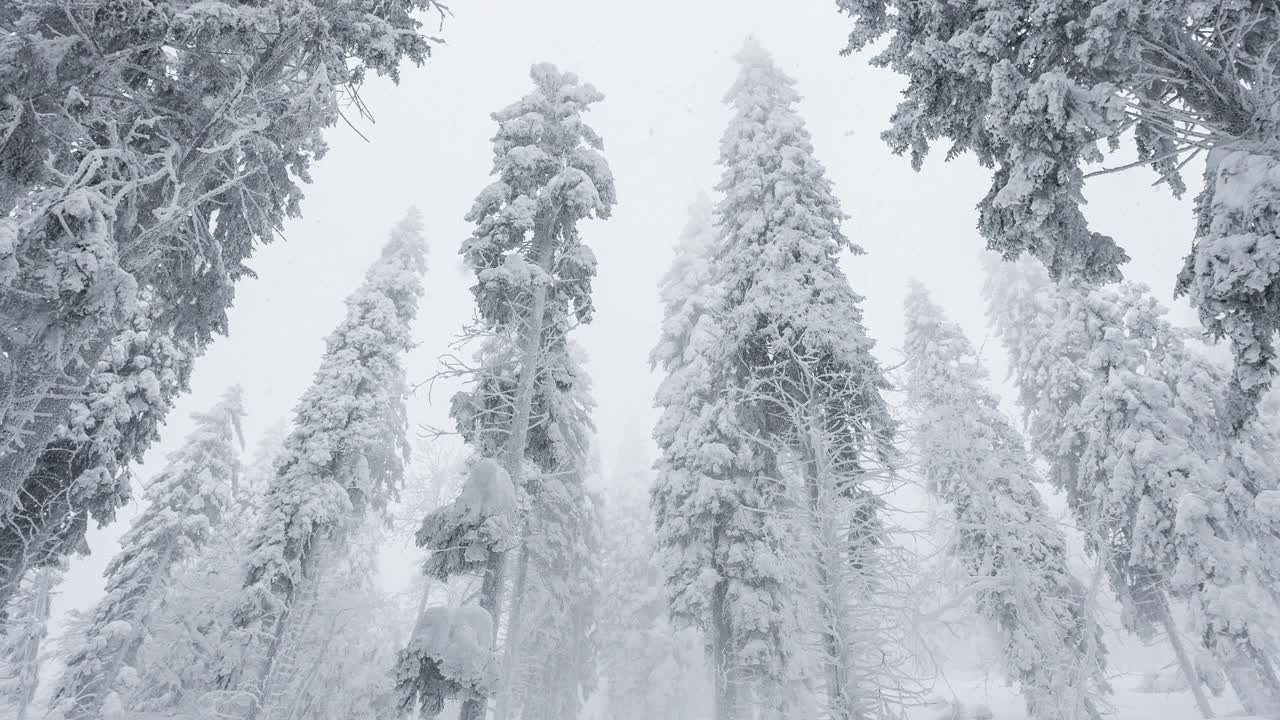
(726, 700)
(1184, 660)
(511, 650)
(827, 561)
(298, 600)
(1249, 673)
(491, 590)
(491, 601)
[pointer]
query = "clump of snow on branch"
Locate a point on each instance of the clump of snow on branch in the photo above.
(450, 655)
(480, 520)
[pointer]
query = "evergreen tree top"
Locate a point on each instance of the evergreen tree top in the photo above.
(780, 228)
(347, 450)
(929, 333)
(194, 489)
(687, 291)
(549, 173)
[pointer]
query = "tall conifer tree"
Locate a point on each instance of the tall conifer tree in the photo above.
(789, 376)
(1148, 459)
(342, 462)
(527, 406)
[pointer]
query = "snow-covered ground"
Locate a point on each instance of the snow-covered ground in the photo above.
(976, 691)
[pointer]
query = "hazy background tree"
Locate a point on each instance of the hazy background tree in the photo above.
(184, 503)
(1012, 557)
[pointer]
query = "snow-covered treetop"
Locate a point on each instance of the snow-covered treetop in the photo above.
(355, 404)
(685, 498)
(183, 503)
(947, 390)
(687, 292)
(785, 298)
(201, 476)
(550, 173)
(346, 453)
(1010, 552)
(780, 221)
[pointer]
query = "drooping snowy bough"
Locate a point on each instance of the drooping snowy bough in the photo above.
(84, 472)
(1035, 89)
(450, 655)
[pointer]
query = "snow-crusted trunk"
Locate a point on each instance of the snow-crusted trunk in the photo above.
(514, 628)
(1184, 661)
(491, 602)
(1249, 672)
(495, 566)
(279, 662)
(828, 567)
(720, 648)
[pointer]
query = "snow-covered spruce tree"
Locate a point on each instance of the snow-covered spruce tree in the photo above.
(553, 539)
(690, 504)
(648, 668)
(533, 282)
(1033, 89)
(800, 373)
(179, 660)
(175, 140)
(792, 374)
(21, 643)
(343, 460)
(1009, 551)
(184, 503)
(84, 472)
(1132, 438)
(1226, 544)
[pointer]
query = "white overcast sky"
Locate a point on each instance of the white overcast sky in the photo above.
(663, 66)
